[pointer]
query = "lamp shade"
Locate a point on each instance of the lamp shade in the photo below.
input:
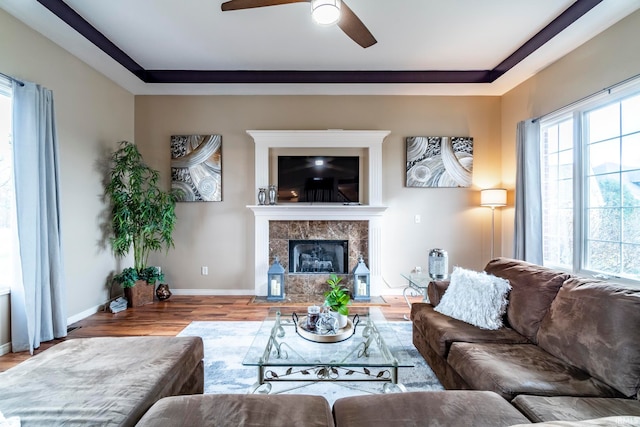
(493, 197)
(325, 12)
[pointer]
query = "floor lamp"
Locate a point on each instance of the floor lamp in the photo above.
(493, 198)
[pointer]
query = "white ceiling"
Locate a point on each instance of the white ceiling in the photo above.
(411, 34)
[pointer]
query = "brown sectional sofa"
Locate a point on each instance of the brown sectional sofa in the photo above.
(454, 408)
(569, 355)
(567, 341)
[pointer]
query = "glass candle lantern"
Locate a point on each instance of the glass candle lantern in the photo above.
(361, 287)
(275, 281)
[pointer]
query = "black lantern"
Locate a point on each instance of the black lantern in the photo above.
(275, 281)
(361, 289)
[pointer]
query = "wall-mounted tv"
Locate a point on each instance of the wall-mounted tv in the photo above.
(319, 179)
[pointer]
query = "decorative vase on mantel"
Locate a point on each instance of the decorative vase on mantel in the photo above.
(273, 194)
(262, 196)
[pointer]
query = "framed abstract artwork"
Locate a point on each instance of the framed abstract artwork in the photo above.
(439, 161)
(196, 167)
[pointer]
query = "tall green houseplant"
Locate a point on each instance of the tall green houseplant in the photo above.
(142, 215)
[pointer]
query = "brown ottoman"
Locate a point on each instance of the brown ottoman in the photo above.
(220, 410)
(108, 381)
(428, 408)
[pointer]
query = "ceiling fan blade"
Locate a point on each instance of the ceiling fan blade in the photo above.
(354, 28)
(249, 4)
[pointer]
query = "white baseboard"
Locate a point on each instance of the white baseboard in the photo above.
(78, 317)
(213, 292)
(5, 348)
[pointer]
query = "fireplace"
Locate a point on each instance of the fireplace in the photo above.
(319, 256)
(310, 251)
(361, 224)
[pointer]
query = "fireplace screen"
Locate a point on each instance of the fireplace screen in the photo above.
(318, 256)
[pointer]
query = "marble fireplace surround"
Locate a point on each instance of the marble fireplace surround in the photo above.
(359, 217)
(306, 284)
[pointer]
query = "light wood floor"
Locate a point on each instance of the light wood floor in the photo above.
(172, 316)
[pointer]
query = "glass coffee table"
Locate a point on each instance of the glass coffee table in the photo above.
(370, 352)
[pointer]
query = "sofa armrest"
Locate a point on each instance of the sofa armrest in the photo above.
(436, 290)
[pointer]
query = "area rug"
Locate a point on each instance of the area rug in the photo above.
(226, 343)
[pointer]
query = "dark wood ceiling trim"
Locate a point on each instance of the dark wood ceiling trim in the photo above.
(566, 18)
(74, 20)
(78, 23)
(295, 76)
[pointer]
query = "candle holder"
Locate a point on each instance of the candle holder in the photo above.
(275, 281)
(361, 287)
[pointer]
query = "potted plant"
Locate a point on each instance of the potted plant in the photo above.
(142, 218)
(337, 298)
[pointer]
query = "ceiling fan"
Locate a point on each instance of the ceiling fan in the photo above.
(325, 12)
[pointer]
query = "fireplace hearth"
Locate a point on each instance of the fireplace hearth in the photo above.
(318, 256)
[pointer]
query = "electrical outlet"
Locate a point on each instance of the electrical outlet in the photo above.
(204, 270)
(417, 219)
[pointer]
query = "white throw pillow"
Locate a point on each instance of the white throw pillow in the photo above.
(476, 298)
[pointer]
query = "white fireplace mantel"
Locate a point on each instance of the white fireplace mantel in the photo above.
(371, 140)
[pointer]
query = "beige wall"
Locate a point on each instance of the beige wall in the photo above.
(92, 113)
(220, 235)
(609, 58)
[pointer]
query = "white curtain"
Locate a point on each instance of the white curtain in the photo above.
(528, 210)
(37, 302)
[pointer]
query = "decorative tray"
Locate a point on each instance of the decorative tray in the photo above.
(340, 335)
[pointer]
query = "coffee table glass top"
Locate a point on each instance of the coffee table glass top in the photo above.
(419, 280)
(373, 344)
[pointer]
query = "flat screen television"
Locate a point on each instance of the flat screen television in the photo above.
(319, 179)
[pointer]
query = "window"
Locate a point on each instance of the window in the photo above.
(8, 230)
(591, 188)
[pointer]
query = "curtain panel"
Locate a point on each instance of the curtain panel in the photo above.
(528, 207)
(38, 311)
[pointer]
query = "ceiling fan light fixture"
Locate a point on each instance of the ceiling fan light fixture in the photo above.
(325, 12)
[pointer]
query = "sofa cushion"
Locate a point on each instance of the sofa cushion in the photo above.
(476, 298)
(596, 326)
(109, 381)
(533, 287)
(435, 408)
(513, 369)
(441, 331)
(277, 410)
(543, 408)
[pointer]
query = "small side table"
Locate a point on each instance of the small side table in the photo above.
(419, 283)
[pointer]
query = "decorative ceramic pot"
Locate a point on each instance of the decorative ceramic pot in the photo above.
(341, 318)
(163, 292)
(262, 196)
